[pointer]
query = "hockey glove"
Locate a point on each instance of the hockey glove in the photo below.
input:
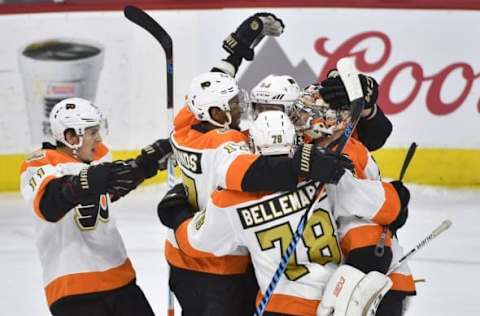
(334, 93)
(125, 176)
(404, 195)
(250, 33)
(154, 157)
(174, 208)
(91, 181)
(320, 164)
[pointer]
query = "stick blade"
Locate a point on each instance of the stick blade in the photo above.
(145, 21)
(351, 81)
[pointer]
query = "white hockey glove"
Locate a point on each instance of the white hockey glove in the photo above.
(350, 292)
(272, 26)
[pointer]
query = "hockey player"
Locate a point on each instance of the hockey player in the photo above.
(360, 233)
(86, 270)
(263, 224)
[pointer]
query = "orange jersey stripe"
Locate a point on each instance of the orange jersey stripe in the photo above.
(212, 139)
(226, 198)
(39, 195)
(390, 208)
(359, 156)
(184, 135)
(291, 305)
(89, 282)
(225, 265)
(363, 236)
(184, 118)
(237, 170)
(402, 282)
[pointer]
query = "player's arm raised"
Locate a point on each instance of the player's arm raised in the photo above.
(241, 43)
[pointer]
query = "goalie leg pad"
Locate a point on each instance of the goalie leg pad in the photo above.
(350, 292)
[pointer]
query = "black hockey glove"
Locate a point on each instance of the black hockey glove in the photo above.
(174, 208)
(154, 157)
(250, 33)
(91, 181)
(320, 164)
(125, 176)
(334, 93)
(404, 195)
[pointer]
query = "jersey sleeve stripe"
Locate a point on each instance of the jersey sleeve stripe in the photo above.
(390, 208)
(89, 282)
(291, 305)
(225, 265)
(363, 236)
(39, 195)
(226, 198)
(237, 170)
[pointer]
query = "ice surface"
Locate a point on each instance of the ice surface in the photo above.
(450, 264)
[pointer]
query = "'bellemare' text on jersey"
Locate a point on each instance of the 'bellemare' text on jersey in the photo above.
(188, 160)
(277, 207)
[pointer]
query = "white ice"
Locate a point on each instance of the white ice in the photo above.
(450, 264)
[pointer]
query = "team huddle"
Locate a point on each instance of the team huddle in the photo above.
(252, 164)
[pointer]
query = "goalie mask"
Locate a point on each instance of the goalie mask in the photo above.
(315, 120)
(272, 133)
(274, 93)
(76, 114)
(214, 90)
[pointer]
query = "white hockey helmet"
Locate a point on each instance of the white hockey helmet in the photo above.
(74, 113)
(276, 90)
(272, 133)
(210, 90)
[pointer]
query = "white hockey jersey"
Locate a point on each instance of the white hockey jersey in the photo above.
(83, 252)
(359, 228)
(208, 160)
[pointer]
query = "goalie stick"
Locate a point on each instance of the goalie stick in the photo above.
(437, 231)
(145, 21)
(380, 247)
(353, 86)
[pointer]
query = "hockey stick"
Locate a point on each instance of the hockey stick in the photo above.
(352, 84)
(145, 21)
(380, 247)
(437, 231)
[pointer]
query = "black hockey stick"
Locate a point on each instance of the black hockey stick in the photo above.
(145, 21)
(380, 247)
(355, 94)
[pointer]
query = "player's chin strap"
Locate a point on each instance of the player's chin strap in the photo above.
(75, 147)
(350, 292)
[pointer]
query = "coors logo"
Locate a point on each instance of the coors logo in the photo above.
(436, 100)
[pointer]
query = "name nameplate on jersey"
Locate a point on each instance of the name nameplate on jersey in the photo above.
(278, 206)
(188, 159)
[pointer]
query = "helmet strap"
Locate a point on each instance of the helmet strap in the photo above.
(75, 147)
